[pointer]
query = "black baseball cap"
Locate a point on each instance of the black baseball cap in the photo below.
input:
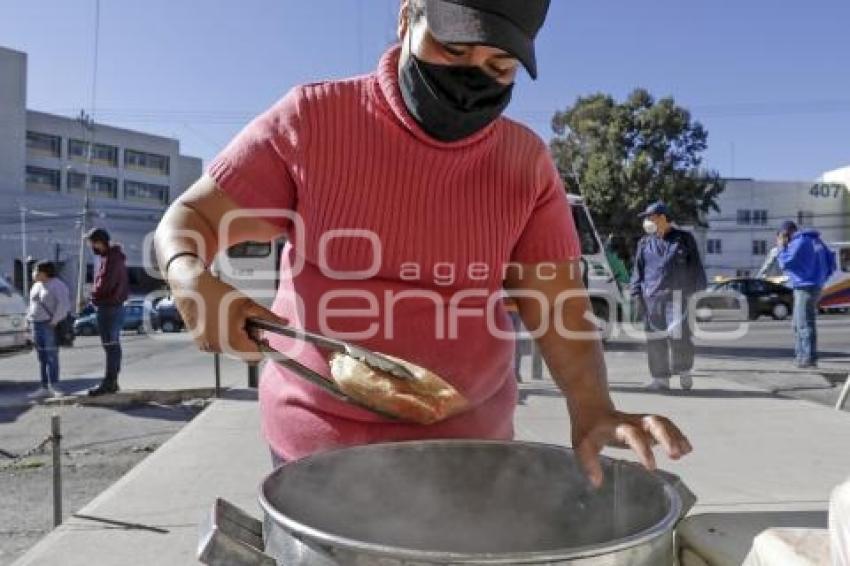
(98, 235)
(511, 25)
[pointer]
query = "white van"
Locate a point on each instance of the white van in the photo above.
(605, 293)
(14, 328)
(253, 268)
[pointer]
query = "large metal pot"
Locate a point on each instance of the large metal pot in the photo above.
(451, 502)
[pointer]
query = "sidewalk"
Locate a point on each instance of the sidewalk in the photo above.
(174, 367)
(753, 451)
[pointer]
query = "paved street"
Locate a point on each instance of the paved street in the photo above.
(155, 362)
(100, 445)
(762, 358)
(770, 339)
(750, 375)
(755, 447)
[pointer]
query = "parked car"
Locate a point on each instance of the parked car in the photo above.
(750, 296)
(14, 328)
(149, 311)
(168, 315)
(135, 317)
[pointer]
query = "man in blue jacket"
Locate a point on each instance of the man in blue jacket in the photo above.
(809, 263)
(668, 270)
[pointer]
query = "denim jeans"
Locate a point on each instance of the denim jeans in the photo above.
(48, 352)
(109, 322)
(805, 325)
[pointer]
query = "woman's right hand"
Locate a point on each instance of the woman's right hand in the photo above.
(214, 312)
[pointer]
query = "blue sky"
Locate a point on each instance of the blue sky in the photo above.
(768, 78)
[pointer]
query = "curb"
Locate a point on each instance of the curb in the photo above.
(138, 397)
(832, 375)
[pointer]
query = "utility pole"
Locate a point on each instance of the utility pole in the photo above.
(24, 262)
(88, 125)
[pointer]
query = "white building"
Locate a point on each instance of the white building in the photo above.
(740, 236)
(841, 176)
(44, 168)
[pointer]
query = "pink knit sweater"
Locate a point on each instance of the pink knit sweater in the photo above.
(444, 218)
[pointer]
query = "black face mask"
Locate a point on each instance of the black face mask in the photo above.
(451, 102)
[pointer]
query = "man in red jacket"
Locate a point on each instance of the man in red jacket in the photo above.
(111, 288)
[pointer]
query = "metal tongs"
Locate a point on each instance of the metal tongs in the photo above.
(370, 358)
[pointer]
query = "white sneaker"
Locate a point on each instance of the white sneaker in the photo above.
(42, 393)
(687, 380)
(659, 385)
(52, 392)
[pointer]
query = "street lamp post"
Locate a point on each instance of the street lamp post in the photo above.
(24, 262)
(88, 124)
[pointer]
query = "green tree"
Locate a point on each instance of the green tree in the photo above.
(621, 157)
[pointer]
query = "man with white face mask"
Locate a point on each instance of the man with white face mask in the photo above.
(668, 271)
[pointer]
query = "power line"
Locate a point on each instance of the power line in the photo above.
(93, 107)
(722, 110)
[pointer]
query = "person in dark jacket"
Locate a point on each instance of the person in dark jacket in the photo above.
(667, 272)
(809, 263)
(111, 288)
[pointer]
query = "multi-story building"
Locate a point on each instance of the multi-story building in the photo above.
(740, 236)
(48, 164)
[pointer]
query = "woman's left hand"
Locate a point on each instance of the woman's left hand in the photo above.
(593, 430)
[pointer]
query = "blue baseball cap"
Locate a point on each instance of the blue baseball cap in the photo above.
(655, 208)
(787, 227)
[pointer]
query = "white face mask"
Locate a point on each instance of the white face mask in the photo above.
(650, 227)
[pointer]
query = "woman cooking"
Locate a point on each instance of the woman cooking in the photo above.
(408, 203)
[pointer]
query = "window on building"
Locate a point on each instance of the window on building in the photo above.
(759, 247)
(844, 260)
(744, 217)
(101, 154)
(76, 182)
(147, 162)
(105, 155)
(760, 217)
(77, 149)
(805, 218)
(145, 192)
(44, 144)
(250, 249)
(42, 180)
(104, 187)
(714, 247)
(743, 273)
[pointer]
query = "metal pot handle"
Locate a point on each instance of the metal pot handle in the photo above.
(229, 536)
(686, 495)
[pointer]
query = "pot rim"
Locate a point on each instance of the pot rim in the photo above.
(313, 534)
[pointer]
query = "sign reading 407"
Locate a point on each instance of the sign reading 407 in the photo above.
(828, 190)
